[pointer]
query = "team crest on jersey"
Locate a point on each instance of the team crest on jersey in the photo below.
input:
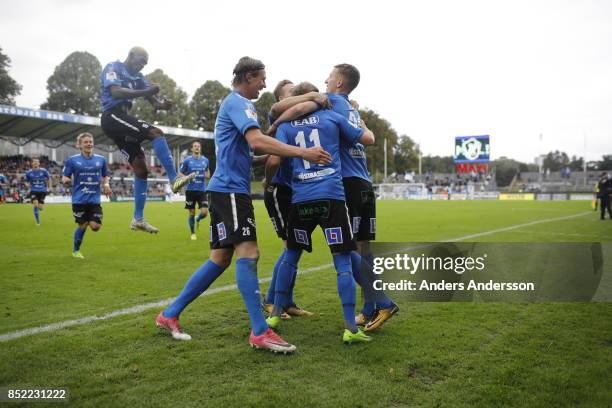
(310, 120)
(301, 236)
(356, 223)
(111, 76)
(221, 232)
(250, 111)
(333, 235)
(373, 225)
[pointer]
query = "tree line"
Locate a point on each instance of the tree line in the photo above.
(74, 87)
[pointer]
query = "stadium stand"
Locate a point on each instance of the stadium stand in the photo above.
(50, 136)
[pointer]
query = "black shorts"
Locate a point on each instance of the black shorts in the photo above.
(278, 203)
(195, 197)
(331, 215)
(87, 212)
(38, 196)
(126, 131)
(232, 220)
(361, 203)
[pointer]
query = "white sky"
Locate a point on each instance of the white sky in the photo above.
(433, 69)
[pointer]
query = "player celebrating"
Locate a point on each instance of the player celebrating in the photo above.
(360, 199)
(318, 199)
(277, 183)
(196, 190)
(86, 171)
(39, 180)
(232, 223)
(122, 82)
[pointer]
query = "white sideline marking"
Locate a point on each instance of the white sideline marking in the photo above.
(162, 303)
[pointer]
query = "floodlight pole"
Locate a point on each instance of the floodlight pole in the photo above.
(584, 165)
(385, 179)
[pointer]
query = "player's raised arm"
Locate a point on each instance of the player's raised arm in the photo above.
(281, 106)
(294, 112)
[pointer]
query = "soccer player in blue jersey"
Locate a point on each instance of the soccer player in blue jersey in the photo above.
(39, 181)
(360, 199)
(3, 184)
(86, 171)
(232, 224)
(122, 82)
(318, 199)
(277, 184)
(196, 190)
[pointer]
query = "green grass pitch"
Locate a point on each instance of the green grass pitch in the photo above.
(428, 355)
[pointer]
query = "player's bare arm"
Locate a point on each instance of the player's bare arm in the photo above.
(368, 138)
(259, 160)
(127, 93)
(265, 144)
(294, 112)
(106, 186)
(279, 107)
(272, 165)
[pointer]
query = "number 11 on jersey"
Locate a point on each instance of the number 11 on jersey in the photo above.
(300, 139)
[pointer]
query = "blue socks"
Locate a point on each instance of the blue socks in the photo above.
(270, 294)
(346, 288)
(364, 281)
(200, 217)
(140, 197)
(364, 275)
(191, 221)
(380, 297)
(286, 274)
(37, 215)
(162, 151)
(201, 279)
(246, 280)
(78, 238)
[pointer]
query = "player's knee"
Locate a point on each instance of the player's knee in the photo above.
(248, 249)
(222, 260)
(95, 227)
(141, 172)
(154, 133)
(363, 247)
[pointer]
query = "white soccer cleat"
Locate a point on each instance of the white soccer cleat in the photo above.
(143, 225)
(172, 325)
(181, 336)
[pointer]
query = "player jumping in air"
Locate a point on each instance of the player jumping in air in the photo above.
(122, 82)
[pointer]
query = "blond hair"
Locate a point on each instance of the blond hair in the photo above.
(81, 136)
